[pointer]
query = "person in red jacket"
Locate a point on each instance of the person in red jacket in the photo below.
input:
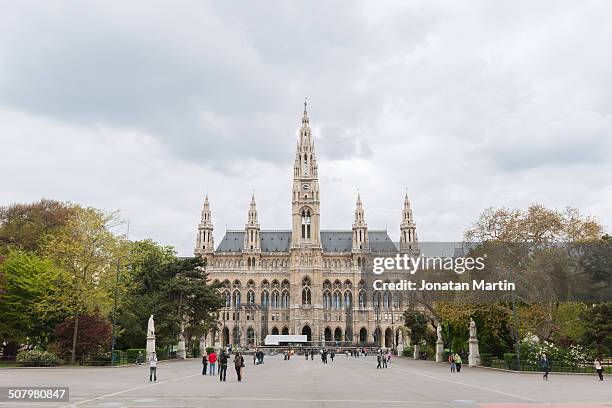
(212, 359)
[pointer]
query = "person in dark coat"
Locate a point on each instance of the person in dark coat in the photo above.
(223, 357)
(545, 364)
(238, 365)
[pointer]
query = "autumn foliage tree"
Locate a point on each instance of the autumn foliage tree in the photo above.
(95, 334)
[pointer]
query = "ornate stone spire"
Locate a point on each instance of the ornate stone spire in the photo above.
(408, 235)
(360, 227)
(205, 242)
(252, 230)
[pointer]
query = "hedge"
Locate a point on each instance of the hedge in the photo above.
(35, 358)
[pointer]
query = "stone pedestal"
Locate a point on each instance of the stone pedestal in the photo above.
(150, 346)
(417, 350)
(439, 351)
(180, 351)
(474, 356)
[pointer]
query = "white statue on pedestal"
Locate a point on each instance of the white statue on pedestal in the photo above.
(150, 337)
(151, 327)
(474, 353)
(472, 328)
(439, 344)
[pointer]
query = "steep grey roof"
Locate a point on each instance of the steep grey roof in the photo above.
(380, 242)
(271, 241)
(337, 241)
(332, 241)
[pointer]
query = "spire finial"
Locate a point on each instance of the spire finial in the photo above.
(305, 103)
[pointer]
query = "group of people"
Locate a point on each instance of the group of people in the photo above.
(383, 358)
(325, 353)
(358, 352)
(258, 357)
(454, 359)
(211, 359)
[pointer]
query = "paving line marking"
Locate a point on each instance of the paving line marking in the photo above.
(130, 389)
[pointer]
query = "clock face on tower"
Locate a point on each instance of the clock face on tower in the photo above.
(305, 187)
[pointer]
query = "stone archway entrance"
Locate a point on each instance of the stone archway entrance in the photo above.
(328, 334)
(275, 331)
(285, 331)
(388, 338)
(306, 331)
(338, 334)
(378, 337)
(363, 336)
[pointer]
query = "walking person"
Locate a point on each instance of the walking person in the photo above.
(458, 362)
(212, 360)
(332, 355)
(204, 363)
(451, 361)
(223, 357)
(153, 367)
(383, 355)
(139, 358)
(379, 358)
(599, 368)
(238, 365)
(545, 364)
(311, 355)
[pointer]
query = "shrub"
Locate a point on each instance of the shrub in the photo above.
(209, 350)
(36, 358)
(408, 351)
(510, 359)
(486, 359)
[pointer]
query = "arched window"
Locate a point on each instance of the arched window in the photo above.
(362, 299)
(285, 300)
(376, 300)
(275, 300)
(236, 298)
(386, 300)
(306, 295)
(348, 299)
(327, 301)
(251, 297)
(228, 299)
(306, 223)
(337, 300)
(265, 299)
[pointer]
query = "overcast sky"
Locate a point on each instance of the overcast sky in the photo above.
(145, 106)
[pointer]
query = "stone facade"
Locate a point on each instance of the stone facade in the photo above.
(304, 280)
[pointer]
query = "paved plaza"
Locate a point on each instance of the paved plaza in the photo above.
(347, 382)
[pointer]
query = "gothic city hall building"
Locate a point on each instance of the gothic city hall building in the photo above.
(305, 280)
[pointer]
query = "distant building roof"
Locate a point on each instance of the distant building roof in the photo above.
(332, 241)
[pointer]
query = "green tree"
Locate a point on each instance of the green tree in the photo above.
(30, 283)
(416, 322)
(87, 250)
(598, 327)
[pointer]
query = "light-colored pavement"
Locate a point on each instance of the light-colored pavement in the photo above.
(347, 382)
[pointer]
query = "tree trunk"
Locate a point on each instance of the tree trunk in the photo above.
(74, 337)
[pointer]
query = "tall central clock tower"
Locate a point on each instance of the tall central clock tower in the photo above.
(306, 226)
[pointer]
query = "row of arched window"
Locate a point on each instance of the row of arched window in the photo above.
(335, 296)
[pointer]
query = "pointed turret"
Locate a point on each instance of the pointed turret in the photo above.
(252, 230)
(205, 243)
(408, 236)
(360, 228)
